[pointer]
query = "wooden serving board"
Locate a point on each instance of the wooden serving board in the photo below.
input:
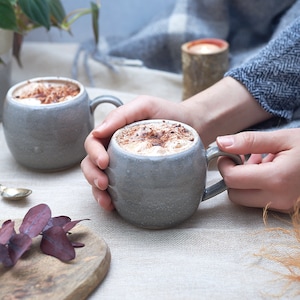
(39, 276)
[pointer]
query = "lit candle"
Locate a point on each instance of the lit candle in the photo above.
(205, 48)
(204, 62)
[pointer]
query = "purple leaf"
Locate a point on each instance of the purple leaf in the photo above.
(18, 244)
(35, 220)
(77, 244)
(57, 221)
(67, 227)
(56, 243)
(7, 231)
(4, 256)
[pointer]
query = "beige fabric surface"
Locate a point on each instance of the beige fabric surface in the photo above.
(214, 255)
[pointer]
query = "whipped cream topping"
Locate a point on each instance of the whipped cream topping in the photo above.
(155, 139)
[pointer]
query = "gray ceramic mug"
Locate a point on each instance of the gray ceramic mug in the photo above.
(50, 137)
(157, 192)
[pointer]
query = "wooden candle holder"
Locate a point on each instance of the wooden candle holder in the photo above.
(204, 62)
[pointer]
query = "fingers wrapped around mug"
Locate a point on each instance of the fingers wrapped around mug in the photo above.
(270, 176)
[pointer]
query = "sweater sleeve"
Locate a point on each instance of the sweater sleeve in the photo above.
(273, 75)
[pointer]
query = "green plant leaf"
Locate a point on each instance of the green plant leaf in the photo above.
(38, 11)
(95, 21)
(57, 12)
(7, 16)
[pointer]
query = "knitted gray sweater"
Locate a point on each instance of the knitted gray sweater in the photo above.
(273, 75)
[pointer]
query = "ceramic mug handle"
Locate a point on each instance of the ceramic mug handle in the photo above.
(105, 99)
(220, 186)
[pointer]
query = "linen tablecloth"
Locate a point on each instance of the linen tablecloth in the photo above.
(216, 254)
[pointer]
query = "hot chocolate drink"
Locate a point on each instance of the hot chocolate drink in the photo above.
(47, 119)
(43, 92)
(157, 172)
(155, 139)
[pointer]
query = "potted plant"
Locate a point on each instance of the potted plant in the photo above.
(18, 17)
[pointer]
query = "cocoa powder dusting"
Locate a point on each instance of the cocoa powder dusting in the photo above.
(157, 137)
(49, 93)
(154, 138)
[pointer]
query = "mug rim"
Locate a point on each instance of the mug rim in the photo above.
(197, 140)
(9, 94)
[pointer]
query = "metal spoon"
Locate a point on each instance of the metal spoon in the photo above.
(14, 193)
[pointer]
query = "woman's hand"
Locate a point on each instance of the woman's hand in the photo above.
(226, 107)
(97, 160)
(271, 180)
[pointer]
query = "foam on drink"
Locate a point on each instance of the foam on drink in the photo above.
(155, 139)
(43, 92)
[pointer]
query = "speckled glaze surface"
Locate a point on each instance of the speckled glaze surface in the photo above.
(157, 192)
(50, 137)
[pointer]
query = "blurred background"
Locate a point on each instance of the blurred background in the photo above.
(118, 18)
